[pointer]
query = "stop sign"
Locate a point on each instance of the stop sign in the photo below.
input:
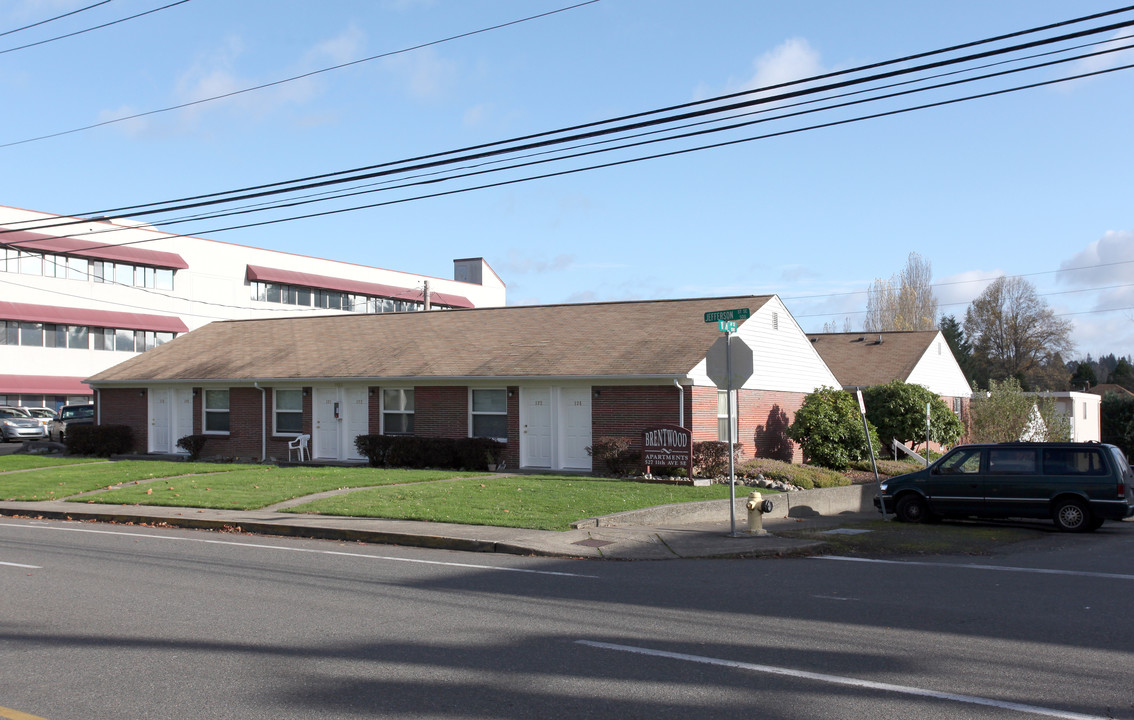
(717, 363)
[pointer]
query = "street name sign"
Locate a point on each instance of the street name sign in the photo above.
(718, 315)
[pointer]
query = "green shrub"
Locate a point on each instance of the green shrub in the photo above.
(99, 440)
(897, 409)
(614, 454)
(804, 476)
(410, 451)
(193, 444)
(829, 429)
(710, 457)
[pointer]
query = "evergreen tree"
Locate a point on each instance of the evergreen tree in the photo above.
(1123, 374)
(962, 349)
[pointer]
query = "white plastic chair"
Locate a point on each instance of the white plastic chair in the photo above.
(299, 445)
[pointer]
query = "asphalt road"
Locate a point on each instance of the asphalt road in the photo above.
(116, 622)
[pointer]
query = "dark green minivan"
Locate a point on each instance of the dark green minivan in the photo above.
(1077, 485)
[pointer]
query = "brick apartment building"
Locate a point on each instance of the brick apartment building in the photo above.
(544, 379)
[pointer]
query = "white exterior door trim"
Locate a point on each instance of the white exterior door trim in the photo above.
(553, 435)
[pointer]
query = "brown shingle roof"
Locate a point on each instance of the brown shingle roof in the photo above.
(651, 338)
(864, 359)
(1109, 388)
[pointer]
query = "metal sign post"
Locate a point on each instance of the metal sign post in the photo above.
(870, 445)
(742, 368)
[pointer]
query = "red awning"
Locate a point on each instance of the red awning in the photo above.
(27, 312)
(86, 248)
(42, 385)
(257, 273)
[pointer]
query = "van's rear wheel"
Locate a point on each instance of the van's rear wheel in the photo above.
(1072, 516)
(912, 509)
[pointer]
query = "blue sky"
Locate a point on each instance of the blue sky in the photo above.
(1030, 183)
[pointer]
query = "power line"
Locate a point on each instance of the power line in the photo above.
(96, 27)
(389, 170)
(578, 134)
(571, 171)
(53, 19)
(293, 78)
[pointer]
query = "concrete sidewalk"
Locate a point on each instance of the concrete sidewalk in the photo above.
(686, 530)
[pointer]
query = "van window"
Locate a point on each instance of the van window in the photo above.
(1014, 460)
(1120, 458)
(1073, 461)
(960, 462)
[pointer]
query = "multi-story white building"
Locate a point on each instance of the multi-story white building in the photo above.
(79, 296)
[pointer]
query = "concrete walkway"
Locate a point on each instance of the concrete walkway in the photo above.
(686, 530)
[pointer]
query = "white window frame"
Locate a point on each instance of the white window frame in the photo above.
(724, 416)
(475, 413)
(205, 410)
(410, 412)
(277, 410)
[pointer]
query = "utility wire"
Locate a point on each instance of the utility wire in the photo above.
(294, 78)
(96, 27)
(53, 19)
(617, 163)
(180, 203)
(321, 181)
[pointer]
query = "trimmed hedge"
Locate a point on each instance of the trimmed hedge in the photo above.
(410, 451)
(193, 444)
(99, 440)
(614, 454)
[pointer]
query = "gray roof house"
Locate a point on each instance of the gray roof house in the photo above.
(545, 379)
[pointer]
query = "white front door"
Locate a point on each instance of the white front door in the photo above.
(536, 430)
(340, 415)
(171, 418)
(575, 421)
(555, 428)
(328, 419)
(161, 417)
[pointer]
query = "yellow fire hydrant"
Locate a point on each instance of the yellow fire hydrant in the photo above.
(757, 506)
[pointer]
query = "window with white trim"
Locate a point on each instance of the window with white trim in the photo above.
(216, 411)
(722, 416)
(287, 411)
(488, 413)
(397, 411)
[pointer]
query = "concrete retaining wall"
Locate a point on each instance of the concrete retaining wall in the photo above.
(804, 503)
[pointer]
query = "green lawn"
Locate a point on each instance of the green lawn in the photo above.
(53, 483)
(538, 502)
(9, 463)
(248, 487)
(524, 501)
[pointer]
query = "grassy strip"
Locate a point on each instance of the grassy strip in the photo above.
(897, 538)
(248, 487)
(8, 463)
(537, 502)
(55, 483)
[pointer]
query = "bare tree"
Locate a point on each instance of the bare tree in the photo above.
(905, 301)
(1014, 334)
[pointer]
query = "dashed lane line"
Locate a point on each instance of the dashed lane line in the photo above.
(853, 682)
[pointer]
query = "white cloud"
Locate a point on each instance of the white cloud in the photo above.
(1099, 62)
(133, 127)
(426, 75)
(1108, 260)
(791, 60)
(522, 263)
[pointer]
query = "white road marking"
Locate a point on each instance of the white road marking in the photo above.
(853, 682)
(975, 566)
(20, 565)
(209, 541)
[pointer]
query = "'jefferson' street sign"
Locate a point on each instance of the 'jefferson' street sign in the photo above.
(718, 315)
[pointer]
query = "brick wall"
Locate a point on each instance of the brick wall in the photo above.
(441, 412)
(126, 406)
(624, 411)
